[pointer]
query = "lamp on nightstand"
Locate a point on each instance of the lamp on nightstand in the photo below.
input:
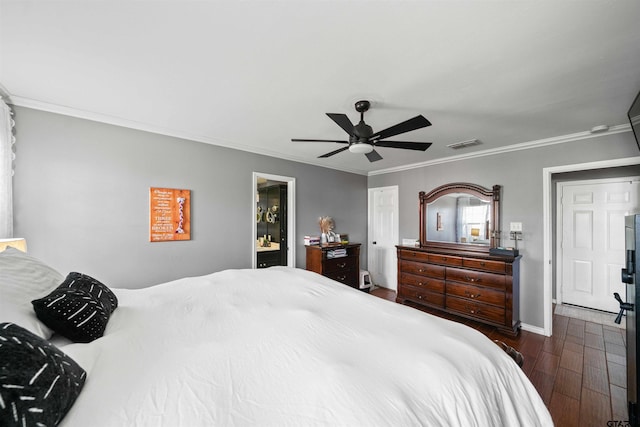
(18, 243)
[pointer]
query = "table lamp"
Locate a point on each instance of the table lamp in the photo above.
(18, 243)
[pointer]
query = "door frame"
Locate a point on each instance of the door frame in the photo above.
(547, 217)
(560, 227)
(370, 258)
(291, 216)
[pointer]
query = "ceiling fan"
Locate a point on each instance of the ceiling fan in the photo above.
(363, 140)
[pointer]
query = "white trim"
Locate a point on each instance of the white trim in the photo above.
(547, 212)
(118, 121)
(291, 216)
(534, 329)
(160, 130)
(509, 148)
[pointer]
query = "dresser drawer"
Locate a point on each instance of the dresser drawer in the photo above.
(455, 261)
(422, 269)
(476, 293)
(413, 255)
(429, 283)
(486, 265)
(421, 295)
(476, 309)
(339, 264)
(476, 277)
(348, 277)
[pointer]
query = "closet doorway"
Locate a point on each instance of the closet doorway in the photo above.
(273, 220)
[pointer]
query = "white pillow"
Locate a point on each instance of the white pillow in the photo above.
(23, 279)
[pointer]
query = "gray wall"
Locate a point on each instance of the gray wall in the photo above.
(81, 199)
(520, 174)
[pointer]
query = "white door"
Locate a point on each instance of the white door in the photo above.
(591, 223)
(383, 236)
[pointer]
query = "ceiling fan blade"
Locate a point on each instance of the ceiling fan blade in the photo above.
(343, 121)
(339, 150)
(418, 146)
(320, 140)
(373, 156)
(417, 122)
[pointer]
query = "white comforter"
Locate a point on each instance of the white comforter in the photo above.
(286, 347)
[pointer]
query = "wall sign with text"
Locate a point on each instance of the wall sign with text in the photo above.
(170, 214)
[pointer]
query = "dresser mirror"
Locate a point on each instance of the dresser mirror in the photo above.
(460, 216)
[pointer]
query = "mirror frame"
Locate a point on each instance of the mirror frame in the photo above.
(493, 196)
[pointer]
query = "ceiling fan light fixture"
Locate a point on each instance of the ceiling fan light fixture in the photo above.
(361, 148)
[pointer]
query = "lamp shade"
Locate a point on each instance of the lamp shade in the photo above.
(475, 232)
(18, 243)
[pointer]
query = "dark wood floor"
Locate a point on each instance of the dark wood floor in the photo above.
(580, 371)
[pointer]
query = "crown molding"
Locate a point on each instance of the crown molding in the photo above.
(160, 130)
(509, 148)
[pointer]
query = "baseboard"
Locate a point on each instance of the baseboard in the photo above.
(535, 329)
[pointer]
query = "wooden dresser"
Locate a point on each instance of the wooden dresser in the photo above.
(343, 269)
(476, 286)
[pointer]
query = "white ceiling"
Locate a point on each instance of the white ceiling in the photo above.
(253, 74)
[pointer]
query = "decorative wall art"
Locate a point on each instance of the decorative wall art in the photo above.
(170, 214)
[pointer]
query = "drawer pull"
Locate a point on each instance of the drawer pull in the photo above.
(420, 270)
(482, 264)
(472, 279)
(341, 278)
(471, 311)
(342, 265)
(470, 295)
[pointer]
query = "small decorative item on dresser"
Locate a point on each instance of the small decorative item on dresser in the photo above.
(326, 228)
(311, 240)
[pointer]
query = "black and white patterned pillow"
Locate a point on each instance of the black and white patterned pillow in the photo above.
(78, 309)
(99, 291)
(38, 382)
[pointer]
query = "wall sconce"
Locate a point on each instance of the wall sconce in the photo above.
(18, 243)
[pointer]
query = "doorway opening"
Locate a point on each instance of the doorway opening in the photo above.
(590, 240)
(273, 220)
(549, 264)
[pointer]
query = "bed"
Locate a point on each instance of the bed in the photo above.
(284, 347)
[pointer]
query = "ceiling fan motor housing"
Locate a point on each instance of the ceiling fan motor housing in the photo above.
(362, 131)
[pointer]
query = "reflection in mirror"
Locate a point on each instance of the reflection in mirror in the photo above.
(459, 218)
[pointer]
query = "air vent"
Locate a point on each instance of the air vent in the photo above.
(463, 144)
